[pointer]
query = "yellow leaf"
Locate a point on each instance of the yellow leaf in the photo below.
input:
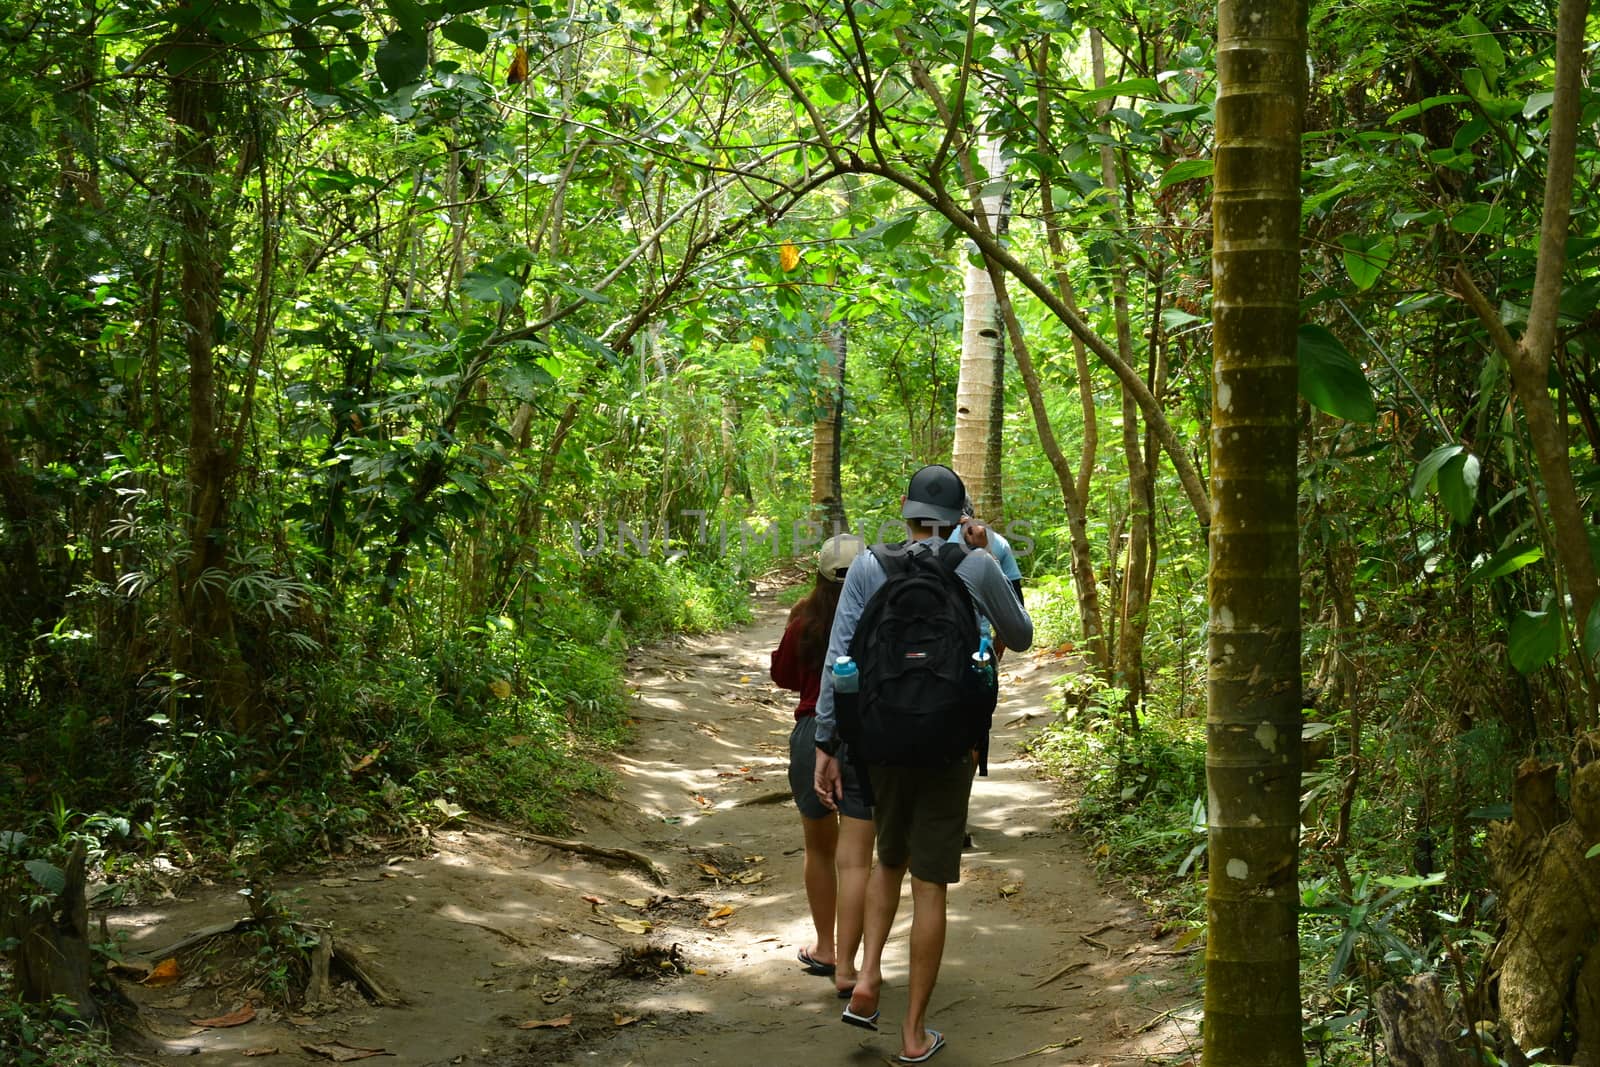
(711, 870)
(500, 688)
(748, 877)
(788, 257)
(722, 912)
(1009, 891)
(165, 972)
(633, 926)
(638, 902)
(624, 1020)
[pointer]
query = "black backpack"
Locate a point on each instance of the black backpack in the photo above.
(922, 702)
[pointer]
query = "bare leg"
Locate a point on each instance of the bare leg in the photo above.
(883, 899)
(854, 860)
(927, 950)
(822, 886)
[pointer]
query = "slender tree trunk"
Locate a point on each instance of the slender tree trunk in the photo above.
(1530, 358)
(728, 435)
(827, 495)
(974, 451)
(1252, 995)
(207, 647)
(1134, 605)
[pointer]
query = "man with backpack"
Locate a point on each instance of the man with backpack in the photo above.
(918, 724)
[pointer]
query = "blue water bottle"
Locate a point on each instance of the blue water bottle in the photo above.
(846, 676)
(983, 662)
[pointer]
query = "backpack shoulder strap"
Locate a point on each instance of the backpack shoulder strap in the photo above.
(891, 557)
(951, 554)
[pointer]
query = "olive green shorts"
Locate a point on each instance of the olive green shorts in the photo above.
(921, 817)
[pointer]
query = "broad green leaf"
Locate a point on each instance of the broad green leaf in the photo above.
(1428, 469)
(483, 283)
(1174, 319)
(1535, 639)
(1330, 378)
(1536, 103)
(1366, 256)
(1185, 171)
(1479, 218)
(12, 841)
(1133, 87)
(401, 61)
(899, 231)
(1486, 50)
(1426, 105)
(409, 15)
(47, 874)
(1508, 560)
(466, 33)
(1458, 485)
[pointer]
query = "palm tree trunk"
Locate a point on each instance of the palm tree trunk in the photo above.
(1252, 996)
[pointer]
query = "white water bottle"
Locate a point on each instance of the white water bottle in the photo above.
(846, 677)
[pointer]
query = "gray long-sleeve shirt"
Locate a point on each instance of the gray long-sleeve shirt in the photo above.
(991, 594)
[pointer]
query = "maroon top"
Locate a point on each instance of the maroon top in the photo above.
(790, 673)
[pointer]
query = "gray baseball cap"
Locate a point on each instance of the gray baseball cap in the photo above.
(934, 495)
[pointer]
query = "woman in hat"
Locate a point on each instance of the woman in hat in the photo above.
(838, 845)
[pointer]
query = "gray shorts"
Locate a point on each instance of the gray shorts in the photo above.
(803, 770)
(921, 817)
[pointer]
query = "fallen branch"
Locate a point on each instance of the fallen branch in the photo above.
(201, 935)
(367, 975)
(1054, 1046)
(513, 938)
(1063, 972)
(583, 848)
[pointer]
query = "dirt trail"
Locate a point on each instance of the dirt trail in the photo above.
(1044, 965)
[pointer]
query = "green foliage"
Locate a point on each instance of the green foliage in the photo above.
(1142, 797)
(51, 1035)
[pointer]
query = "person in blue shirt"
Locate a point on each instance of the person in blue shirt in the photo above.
(1000, 549)
(919, 813)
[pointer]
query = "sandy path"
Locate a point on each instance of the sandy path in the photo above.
(488, 931)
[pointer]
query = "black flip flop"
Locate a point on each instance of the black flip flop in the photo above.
(814, 966)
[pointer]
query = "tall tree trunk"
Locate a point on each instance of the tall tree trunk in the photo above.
(728, 432)
(1530, 357)
(1133, 610)
(979, 398)
(206, 644)
(1252, 996)
(827, 495)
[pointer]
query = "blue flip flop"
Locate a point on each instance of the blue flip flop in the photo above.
(866, 1022)
(814, 966)
(938, 1043)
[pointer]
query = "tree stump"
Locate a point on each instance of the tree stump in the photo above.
(1549, 975)
(1418, 1029)
(52, 953)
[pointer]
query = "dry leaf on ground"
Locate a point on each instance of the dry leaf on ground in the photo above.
(340, 1052)
(237, 1017)
(164, 972)
(261, 1050)
(624, 1020)
(542, 1024)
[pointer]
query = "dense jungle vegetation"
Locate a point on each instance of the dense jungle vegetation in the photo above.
(373, 376)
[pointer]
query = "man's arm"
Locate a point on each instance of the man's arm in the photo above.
(997, 600)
